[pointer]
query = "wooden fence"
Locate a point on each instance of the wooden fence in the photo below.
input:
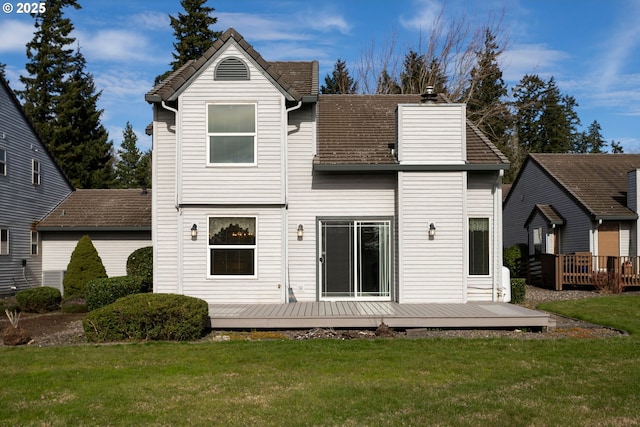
(582, 268)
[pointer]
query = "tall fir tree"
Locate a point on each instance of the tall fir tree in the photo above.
(80, 142)
(591, 141)
(340, 81)
(419, 73)
(60, 99)
(558, 121)
(387, 85)
(49, 56)
(193, 33)
(133, 167)
(616, 147)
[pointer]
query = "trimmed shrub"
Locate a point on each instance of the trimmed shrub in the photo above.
(512, 259)
(101, 292)
(156, 317)
(517, 291)
(85, 264)
(140, 263)
(39, 300)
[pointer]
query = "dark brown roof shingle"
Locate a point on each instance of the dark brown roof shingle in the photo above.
(122, 209)
(362, 129)
(297, 79)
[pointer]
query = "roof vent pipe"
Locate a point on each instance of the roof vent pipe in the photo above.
(429, 97)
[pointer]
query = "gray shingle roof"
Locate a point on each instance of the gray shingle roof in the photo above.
(597, 181)
(121, 209)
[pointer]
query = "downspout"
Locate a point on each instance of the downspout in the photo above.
(498, 287)
(285, 231)
(179, 222)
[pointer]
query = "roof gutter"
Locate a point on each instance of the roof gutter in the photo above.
(395, 167)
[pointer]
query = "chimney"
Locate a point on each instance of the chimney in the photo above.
(430, 96)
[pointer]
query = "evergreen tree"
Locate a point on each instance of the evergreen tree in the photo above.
(591, 141)
(486, 93)
(387, 84)
(616, 147)
(79, 141)
(419, 73)
(558, 120)
(85, 264)
(528, 102)
(339, 82)
(133, 167)
(49, 61)
(3, 74)
(193, 33)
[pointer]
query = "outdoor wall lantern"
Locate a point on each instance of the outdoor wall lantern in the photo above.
(432, 230)
(300, 232)
(194, 231)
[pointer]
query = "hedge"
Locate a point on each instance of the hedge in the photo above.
(517, 291)
(101, 292)
(140, 263)
(39, 300)
(156, 317)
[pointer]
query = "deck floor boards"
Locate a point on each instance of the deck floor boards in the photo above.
(360, 314)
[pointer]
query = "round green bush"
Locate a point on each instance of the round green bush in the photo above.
(140, 263)
(39, 300)
(101, 292)
(518, 289)
(155, 317)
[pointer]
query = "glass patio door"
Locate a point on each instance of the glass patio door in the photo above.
(355, 259)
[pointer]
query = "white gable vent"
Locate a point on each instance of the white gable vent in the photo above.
(231, 69)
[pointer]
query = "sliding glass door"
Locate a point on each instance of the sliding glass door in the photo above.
(355, 259)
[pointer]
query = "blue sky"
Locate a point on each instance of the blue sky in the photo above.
(591, 47)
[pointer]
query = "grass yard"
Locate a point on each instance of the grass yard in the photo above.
(383, 382)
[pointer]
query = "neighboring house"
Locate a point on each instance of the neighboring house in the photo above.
(266, 191)
(31, 184)
(575, 203)
(117, 221)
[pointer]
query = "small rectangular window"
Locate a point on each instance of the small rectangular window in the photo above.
(3, 162)
(34, 243)
(232, 246)
(4, 241)
(478, 246)
(36, 172)
(537, 241)
(231, 131)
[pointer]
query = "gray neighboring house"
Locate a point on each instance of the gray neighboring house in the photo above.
(118, 221)
(585, 204)
(31, 185)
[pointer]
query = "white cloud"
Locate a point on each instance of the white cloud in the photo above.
(256, 28)
(151, 20)
(424, 18)
(16, 34)
(117, 45)
(531, 59)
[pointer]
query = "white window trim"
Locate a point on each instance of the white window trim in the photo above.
(8, 244)
(489, 251)
(35, 243)
(35, 172)
(3, 162)
(254, 134)
(213, 247)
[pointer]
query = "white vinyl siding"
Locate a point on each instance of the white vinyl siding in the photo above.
(259, 183)
(432, 270)
(431, 134)
(113, 247)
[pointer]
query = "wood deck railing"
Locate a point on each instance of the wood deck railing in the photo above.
(582, 268)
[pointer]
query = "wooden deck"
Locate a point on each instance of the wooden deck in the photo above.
(351, 314)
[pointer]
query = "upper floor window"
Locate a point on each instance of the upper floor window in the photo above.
(3, 162)
(478, 246)
(231, 131)
(35, 169)
(231, 69)
(4, 241)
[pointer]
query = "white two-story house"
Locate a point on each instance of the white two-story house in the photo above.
(267, 192)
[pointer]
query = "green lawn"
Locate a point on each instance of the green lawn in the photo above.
(384, 382)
